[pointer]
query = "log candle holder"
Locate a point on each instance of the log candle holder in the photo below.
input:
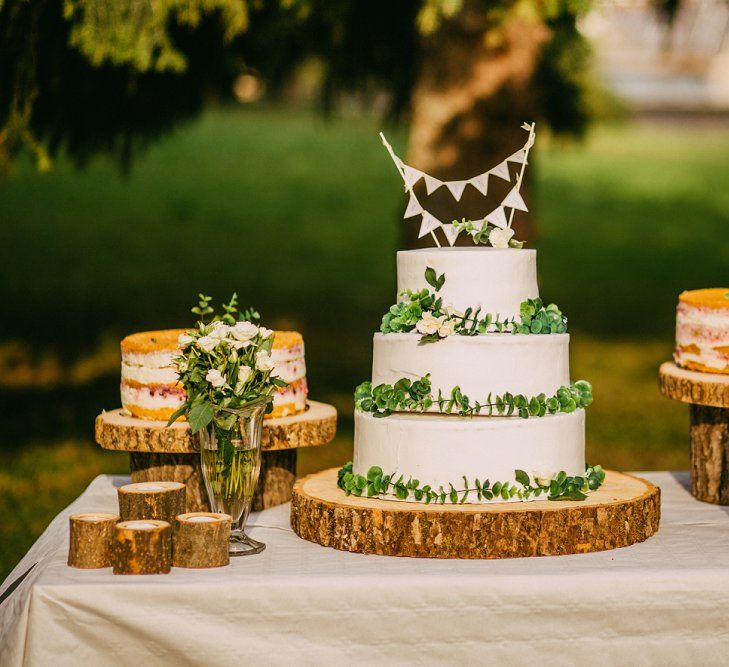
(151, 500)
(142, 547)
(91, 539)
(201, 539)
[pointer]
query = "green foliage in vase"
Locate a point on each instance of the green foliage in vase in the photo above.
(559, 486)
(408, 396)
(225, 363)
(423, 311)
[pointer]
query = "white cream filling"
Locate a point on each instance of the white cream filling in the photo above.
(149, 374)
(144, 399)
(163, 359)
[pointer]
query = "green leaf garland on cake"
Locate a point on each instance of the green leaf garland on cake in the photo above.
(416, 396)
(423, 311)
(559, 486)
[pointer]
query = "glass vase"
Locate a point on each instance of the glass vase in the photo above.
(230, 451)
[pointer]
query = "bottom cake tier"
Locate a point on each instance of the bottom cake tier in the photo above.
(440, 450)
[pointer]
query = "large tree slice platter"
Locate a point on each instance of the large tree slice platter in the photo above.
(161, 453)
(708, 396)
(625, 510)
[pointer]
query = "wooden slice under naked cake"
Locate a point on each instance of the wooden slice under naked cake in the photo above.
(623, 511)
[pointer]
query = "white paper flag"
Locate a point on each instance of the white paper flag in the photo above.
(497, 217)
(414, 208)
(412, 175)
(432, 183)
(478, 224)
(456, 188)
(519, 156)
(429, 224)
(514, 200)
(451, 233)
(502, 171)
(481, 183)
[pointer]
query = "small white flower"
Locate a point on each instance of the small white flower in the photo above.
(219, 330)
(215, 378)
(244, 372)
(266, 333)
(183, 340)
(207, 343)
(429, 324)
(542, 478)
(264, 361)
(181, 366)
(448, 328)
(243, 331)
(450, 311)
(239, 344)
(499, 238)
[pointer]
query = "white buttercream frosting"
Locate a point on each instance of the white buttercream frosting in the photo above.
(439, 450)
(162, 359)
(496, 363)
(497, 280)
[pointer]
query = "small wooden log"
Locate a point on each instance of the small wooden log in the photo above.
(710, 454)
(151, 500)
(91, 539)
(142, 547)
(201, 539)
(623, 511)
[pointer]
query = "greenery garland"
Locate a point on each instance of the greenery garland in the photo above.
(560, 487)
(424, 311)
(408, 396)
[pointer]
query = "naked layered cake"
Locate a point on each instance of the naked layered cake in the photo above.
(149, 386)
(702, 330)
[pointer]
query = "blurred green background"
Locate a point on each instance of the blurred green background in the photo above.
(302, 218)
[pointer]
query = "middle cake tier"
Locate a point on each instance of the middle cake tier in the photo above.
(491, 363)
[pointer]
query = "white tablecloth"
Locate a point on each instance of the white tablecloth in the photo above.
(665, 601)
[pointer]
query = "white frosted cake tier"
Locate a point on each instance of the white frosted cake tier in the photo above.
(440, 449)
(496, 363)
(496, 280)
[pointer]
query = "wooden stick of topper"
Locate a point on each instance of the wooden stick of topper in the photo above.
(201, 539)
(151, 500)
(519, 178)
(91, 539)
(142, 547)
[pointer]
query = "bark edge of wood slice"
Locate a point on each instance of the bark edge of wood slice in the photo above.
(118, 431)
(201, 540)
(625, 510)
(91, 539)
(681, 384)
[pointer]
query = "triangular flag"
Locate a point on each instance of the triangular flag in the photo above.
(514, 200)
(456, 188)
(526, 126)
(481, 183)
(414, 208)
(432, 183)
(519, 156)
(497, 217)
(451, 233)
(412, 175)
(502, 171)
(430, 223)
(478, 224)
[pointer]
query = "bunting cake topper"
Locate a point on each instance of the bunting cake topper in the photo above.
(495, 227)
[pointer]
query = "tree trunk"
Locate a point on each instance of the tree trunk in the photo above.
(473, 92)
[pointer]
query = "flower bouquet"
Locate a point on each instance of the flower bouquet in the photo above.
(227, 371)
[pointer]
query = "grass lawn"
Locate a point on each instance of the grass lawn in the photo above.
(301, 218)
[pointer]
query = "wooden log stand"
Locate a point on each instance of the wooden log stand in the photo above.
(91, 539)
(158, 452)
(161, 500)
(201, 540)
(708, 396)
(142, 547)
(623, 511)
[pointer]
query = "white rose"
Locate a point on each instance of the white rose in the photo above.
(244, 372)
(215, 378)
(219, 330)
(266, 333)
(244, 331)
(207, 343)
(450, 311)
(499, 238)
(264, 361)
(429, 324)
(239, 344)
(448, 328)
(542, 478)
(183, 340)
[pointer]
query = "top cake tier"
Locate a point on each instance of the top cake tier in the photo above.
(496, 280)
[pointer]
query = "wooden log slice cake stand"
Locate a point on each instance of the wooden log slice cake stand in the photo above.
(623, 511)
(708, 396)
(158, 452)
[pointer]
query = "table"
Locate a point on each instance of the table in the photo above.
(660, 602)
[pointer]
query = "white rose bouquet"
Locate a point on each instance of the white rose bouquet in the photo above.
(225, 363)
